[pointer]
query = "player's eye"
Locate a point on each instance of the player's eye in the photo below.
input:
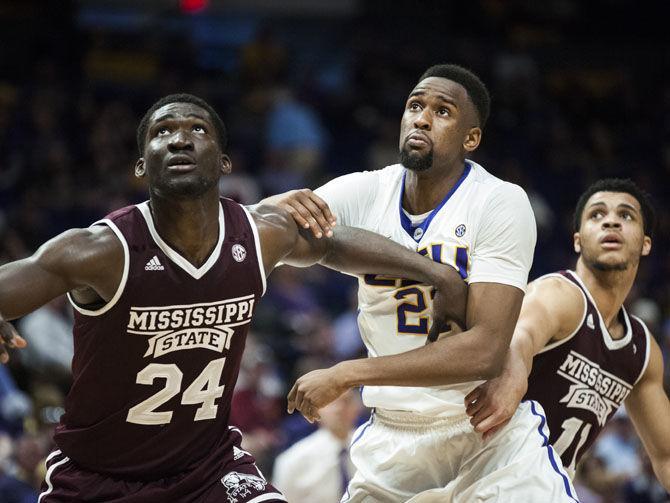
(414, 105)
(444, 112)
(597, 214)
(163, 130)
(627, 215)
(198, 129)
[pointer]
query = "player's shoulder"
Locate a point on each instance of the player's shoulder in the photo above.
(555, 284)
(557, 293)
(269, 214)
(493, 189)
(374, 178)
(275, 226)
(97, 238)
(93, 247)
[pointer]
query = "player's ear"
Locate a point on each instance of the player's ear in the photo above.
(577, 242)
(226, 164)
(646, 246)
(472, 139)
(140, 169)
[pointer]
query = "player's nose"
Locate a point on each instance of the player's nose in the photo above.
(180, 140)
(610, 222)
(423, 120)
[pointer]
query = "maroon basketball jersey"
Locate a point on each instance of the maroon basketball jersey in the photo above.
(154, 369)
(583, 379)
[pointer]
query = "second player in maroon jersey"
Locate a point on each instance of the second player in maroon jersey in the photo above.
(584, 356)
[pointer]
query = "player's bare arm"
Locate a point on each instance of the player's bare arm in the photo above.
(86, 262)
(478, 353)
(649, 408)
(307, 209)
(552, 309)
(357, 251)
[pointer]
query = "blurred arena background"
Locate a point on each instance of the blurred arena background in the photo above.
(309, 91)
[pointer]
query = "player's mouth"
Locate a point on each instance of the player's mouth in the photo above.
(611, 241)
(181, 164)
(418, 139)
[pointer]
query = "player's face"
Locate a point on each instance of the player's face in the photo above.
(439, 125)
(611, 236)
(182, 157)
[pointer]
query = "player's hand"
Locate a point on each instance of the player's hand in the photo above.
(491, 405)
(449, 302)
(9, 338)
(315, 390)
(307, 209)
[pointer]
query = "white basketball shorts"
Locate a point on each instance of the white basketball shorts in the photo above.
(402, 456)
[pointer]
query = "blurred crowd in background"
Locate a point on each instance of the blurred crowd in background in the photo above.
(307, 95)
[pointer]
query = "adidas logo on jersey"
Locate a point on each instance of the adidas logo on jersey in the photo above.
(154, 265)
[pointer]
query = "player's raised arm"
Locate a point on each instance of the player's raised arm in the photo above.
(649, 408)
(86, 260)
(551, 310)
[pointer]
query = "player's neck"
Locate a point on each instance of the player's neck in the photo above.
(424, 190)
(609, 289)
(190, 226)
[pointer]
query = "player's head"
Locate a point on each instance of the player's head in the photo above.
(444, 117)
(614, 222)
(182, 143)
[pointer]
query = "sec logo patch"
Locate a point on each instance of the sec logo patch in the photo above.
(239, 253)
(460, 231)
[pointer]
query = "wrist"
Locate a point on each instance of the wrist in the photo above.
(346, 374)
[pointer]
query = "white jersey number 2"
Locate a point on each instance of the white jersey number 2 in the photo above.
(205, 389)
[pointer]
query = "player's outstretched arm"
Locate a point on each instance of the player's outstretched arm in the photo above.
(649, 408)
(307, 209)
(86, 259)
(356, 251)
(551, 310)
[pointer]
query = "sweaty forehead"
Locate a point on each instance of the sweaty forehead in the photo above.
(180, 110)
(613, 199)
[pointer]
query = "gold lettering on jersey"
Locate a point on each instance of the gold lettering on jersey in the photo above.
(593, 388)
(176, 328)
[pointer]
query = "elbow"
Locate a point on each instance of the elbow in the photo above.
(491, 368)
(490, 361)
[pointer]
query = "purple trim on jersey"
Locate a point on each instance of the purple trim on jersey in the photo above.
(358, 437)
(367, 425)
(462, 261)
(550, 449)
(404, 219)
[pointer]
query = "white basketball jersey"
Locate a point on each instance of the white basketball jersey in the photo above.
(484, 227)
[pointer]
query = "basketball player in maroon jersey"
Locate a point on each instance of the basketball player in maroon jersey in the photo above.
(583, 355)
(164, 293)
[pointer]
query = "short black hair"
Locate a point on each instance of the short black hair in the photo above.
(627, 186)
(221, 132)
(477, 91)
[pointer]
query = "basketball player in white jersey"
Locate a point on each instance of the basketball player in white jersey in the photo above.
(575, 348)
(419, 445)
